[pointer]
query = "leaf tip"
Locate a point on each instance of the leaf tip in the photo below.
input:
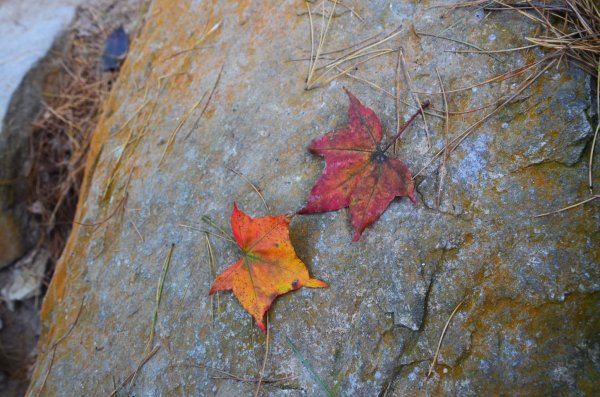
(262, 326)
(315, 283)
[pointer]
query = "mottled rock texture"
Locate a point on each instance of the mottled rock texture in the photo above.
(529, 323)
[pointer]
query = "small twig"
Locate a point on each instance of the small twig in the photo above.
(134, 373)
(405, 126)
(437, 351)
(594, 197)
(159, 290)
(414, 94)
(262, 371)
(252, 185)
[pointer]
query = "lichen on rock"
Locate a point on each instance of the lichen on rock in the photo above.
(526, 282)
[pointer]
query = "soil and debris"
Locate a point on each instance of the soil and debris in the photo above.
(94, 49)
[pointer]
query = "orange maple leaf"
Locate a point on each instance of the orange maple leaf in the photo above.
(269, 268)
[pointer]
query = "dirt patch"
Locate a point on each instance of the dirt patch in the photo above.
(71, 105)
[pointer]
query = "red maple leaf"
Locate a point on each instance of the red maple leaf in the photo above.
(269, 267)
(358, 172)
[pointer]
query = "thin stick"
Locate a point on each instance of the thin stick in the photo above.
(252, 185)
(591, 163)
(437, 351)
(414, 94)
(405, 126)
(262, 371)
(442, 171)
(159, 290)
(134, 373)
(594, 197)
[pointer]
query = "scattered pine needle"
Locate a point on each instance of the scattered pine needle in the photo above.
(229, 376)
(212, 91)
(198, 44)
(206, 219)
(206, 231)
(252, 185)
(591, 163)
(309, 368)
(437, 351)
(454, 143)
(414, 94)
(481, 50)
(594, 197)
(55, 344)
(173, 134)
(213, 275)
(442, 169)
(262, 371)
(129, 379)
(397, 97)
(159, 290)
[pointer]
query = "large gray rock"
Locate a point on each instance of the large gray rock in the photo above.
(530, 285)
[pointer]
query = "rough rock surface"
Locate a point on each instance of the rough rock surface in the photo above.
(528, 324)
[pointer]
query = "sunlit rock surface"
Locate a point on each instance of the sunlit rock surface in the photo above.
(528, 324)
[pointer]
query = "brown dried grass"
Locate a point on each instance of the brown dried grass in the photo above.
(61, 137)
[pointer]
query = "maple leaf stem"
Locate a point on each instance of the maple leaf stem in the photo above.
(424, 106)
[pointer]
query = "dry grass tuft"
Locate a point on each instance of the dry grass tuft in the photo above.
(570, 29)
(61, 138)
